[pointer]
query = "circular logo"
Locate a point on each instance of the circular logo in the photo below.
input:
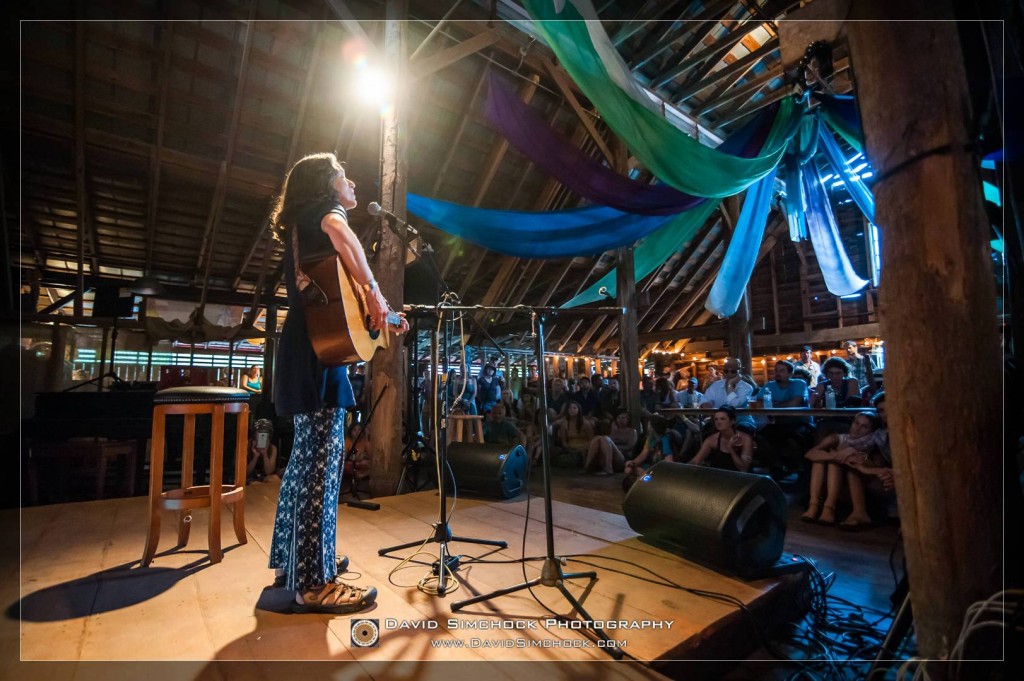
(365, 633)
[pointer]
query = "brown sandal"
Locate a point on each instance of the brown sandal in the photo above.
(832, 510)
(336, 599)
(340, 564)
(813, 511)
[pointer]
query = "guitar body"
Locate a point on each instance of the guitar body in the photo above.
(340, 329)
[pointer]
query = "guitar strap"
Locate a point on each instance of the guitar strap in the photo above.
(309, 290)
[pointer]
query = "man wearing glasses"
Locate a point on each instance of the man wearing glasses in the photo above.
(731, 390)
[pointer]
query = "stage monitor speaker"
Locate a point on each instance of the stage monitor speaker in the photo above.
(488, 470)
(731, 520)
(112, 301)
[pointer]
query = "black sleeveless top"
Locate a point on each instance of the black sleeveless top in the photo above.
(301, 383)
(720, 458)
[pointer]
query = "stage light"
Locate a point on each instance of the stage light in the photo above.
(375, 87)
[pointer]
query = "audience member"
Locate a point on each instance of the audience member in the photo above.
(731, 391)
(807, 362)
(689, 396)
(488, 391)
(607, 453)
(253, 381)
(510, 403)
(861, 367)
(665, 395)
(662, 444)
(587, 397)
(729, 448)
(682, 379)
(498, 373)
(261, 463)
(515, 383)
(713, 375)
(648, 396)
(609, 400)
(499, 430)
(356, 463)
(557, 400)
(572, 437)
(875, 476)
(833, 468)
(461, 390)
(836, 379)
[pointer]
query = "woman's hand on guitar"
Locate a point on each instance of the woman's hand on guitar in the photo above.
(379, 311)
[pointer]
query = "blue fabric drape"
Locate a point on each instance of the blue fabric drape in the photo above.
(840, 112)
(858, 190)
(556, 234)
(796, 206)
(840, 279)
(741, 255)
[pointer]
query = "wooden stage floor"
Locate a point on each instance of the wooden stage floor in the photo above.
(83, 596)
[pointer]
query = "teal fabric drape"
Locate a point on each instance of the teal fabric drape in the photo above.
(741, 256)
(840, 112)
(673, 156)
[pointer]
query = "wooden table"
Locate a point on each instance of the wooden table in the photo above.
(773, 411)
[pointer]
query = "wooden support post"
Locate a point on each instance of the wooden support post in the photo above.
(388, 367)
(937, 307)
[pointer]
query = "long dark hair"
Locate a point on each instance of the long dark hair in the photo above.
(579, 414)
(309, 181)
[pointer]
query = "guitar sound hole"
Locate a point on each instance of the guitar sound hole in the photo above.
(374, 333)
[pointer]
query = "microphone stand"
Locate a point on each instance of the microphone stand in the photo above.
(551, 574)
(442, 531)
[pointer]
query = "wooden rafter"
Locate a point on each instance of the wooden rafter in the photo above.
(738, 66)
(643, 18)
(747, 90)
(428, 65)
(319, 37)
(220, 192)
(563, 82)
(86, 226)
(164, 78)
(700, 27)
(768, 100)
(715, 52)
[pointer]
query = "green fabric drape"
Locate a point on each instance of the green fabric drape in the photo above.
(669, 153)
(659, 246)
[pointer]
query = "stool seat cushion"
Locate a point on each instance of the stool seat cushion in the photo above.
(203, 394)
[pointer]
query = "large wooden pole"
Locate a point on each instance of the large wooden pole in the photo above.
(629, 349)
(937, 311)
(388, 367)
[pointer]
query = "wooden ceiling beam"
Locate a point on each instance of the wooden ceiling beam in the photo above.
(209, 239)
(426, 66)
(684, 262)
(643, 18)
(700, 26)
(85, 225)
(563, 82)
(722, 97)
(164, 78)
(768, 100)
(738, 66)
(715, 52)
(713, 252)
(262, 233)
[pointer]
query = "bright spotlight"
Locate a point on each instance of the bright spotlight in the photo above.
(375, 87)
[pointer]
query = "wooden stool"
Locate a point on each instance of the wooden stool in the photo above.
(192, 401)
(474, 429)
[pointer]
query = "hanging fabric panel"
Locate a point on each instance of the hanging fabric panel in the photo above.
(535, 139)
(556, 234)
(796, 205)
(660, 246)
(860, 193)
(840, 112)
(840, 279)
(741, 256)
(670, 154)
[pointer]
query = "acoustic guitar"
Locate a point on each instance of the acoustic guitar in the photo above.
(336, 315)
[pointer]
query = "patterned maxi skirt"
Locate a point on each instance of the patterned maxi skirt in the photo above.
(307, 509)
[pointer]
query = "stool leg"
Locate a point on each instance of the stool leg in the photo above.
(216, 480)
(479, 430)
(188, 457)
(241, 450)
(156, 481)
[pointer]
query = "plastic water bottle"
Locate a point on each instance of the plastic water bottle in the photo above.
(830, 397)
(766, 399)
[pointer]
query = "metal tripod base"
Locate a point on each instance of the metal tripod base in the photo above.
(551, 575)
(442, 536)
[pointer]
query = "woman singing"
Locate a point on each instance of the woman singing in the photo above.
(310, 215)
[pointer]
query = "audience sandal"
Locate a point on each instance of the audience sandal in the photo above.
(813, 510)
(825, 521)
(340, 563)
(855, 525)
(336, 598)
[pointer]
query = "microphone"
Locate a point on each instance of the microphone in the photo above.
(375, 209)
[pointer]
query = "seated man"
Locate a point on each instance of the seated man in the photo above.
(500, 431)
(587, 397)
(787, 437)
(731, 391)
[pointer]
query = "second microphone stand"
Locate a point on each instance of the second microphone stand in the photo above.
(551, 574)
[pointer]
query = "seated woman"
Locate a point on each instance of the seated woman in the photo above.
(510, 403)
(607, 453)
(253, 381)
(836, 374)
(726, 448)
(357, 453)
(461, 390)
(663, 444)
(664, 394)
(834, 468)
(572, 437)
